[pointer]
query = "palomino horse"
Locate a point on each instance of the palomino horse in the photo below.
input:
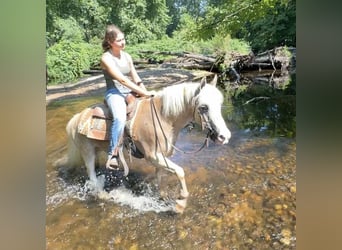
(155, 127)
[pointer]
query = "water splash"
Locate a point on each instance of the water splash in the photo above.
(146, 201)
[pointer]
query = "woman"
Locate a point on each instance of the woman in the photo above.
(121, 79)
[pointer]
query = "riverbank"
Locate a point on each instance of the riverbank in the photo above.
(154, 78)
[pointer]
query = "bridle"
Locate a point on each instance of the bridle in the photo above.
(205, 121)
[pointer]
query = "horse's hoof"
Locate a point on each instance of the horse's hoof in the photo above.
(180, 206)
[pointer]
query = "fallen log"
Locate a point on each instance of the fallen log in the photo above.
(282, 58)
(92, 71)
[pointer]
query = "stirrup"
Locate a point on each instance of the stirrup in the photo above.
(112, 163)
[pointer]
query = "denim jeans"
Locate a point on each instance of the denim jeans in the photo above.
(117, 106)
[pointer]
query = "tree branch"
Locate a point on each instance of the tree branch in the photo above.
(257, 98)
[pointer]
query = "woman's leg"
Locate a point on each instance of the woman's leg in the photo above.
(117, 106)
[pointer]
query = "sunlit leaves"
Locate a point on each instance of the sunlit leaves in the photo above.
(264, 23)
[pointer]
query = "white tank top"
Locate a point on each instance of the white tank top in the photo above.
(123, 65)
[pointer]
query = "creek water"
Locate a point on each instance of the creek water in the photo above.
(242, 195)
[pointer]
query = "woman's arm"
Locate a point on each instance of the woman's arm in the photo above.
(134, 74)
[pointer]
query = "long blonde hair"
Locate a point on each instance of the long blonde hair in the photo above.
(112, 32)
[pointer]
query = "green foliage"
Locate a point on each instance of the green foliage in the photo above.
(186, 28)
(66, 60)
(95, 52)
(215, 46)
(217, 43)
(66, 29)
(90, 17)
(276, 28)
(141, 20)
(264, 24)
(164, 44)
(207, 27)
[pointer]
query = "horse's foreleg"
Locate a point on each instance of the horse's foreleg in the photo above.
(164, 162)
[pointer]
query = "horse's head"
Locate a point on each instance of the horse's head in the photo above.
(208, 101)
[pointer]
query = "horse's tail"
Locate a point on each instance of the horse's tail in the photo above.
(74, 156)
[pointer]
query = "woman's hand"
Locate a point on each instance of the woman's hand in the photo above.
(151, 93)
(147, 93)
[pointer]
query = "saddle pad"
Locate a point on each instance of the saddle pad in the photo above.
(99, 129)
(95, 122)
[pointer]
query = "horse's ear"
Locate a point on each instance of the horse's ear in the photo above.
(201, 86)
(214, 81)
(203, 81)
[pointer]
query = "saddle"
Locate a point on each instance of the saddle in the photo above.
(96, 121)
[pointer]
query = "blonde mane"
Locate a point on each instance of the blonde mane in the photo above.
(177, 97)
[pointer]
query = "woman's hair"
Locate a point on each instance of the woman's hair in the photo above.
(112, 32)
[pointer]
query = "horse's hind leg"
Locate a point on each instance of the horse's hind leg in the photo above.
(89, 155)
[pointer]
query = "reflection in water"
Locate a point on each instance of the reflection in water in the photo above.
(265, 109)
(242, 195)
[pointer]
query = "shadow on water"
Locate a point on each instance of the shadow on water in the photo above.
(242, 195)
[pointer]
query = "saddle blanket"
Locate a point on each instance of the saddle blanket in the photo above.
(95, 122)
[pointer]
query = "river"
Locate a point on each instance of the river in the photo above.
(242, 195)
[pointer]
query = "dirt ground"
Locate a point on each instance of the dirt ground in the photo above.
(154, 78)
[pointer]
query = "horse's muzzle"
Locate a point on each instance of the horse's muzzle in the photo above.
(219, 139)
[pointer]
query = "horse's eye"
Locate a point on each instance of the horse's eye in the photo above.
(203, 109)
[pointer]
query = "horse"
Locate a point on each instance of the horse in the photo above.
(155, 126)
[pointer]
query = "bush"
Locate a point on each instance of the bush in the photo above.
(216, 45)
(66, 60)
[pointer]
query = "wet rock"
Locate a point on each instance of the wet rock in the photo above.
(286, 237)
(278, 206)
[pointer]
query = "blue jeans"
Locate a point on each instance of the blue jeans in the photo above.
(117, 106)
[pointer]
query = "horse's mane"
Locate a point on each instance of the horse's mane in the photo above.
(175, 98)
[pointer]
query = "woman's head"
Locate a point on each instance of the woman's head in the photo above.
(113, 37)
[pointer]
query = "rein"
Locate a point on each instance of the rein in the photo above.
(154, 112)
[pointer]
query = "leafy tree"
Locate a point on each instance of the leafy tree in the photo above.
(66, 29)
(244, 19)
(277, 27)
(141, 20)
(92, 17)
(178, 8)
(88, 14)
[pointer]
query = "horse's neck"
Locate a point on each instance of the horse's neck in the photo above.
(183, 119)
(179, 121)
